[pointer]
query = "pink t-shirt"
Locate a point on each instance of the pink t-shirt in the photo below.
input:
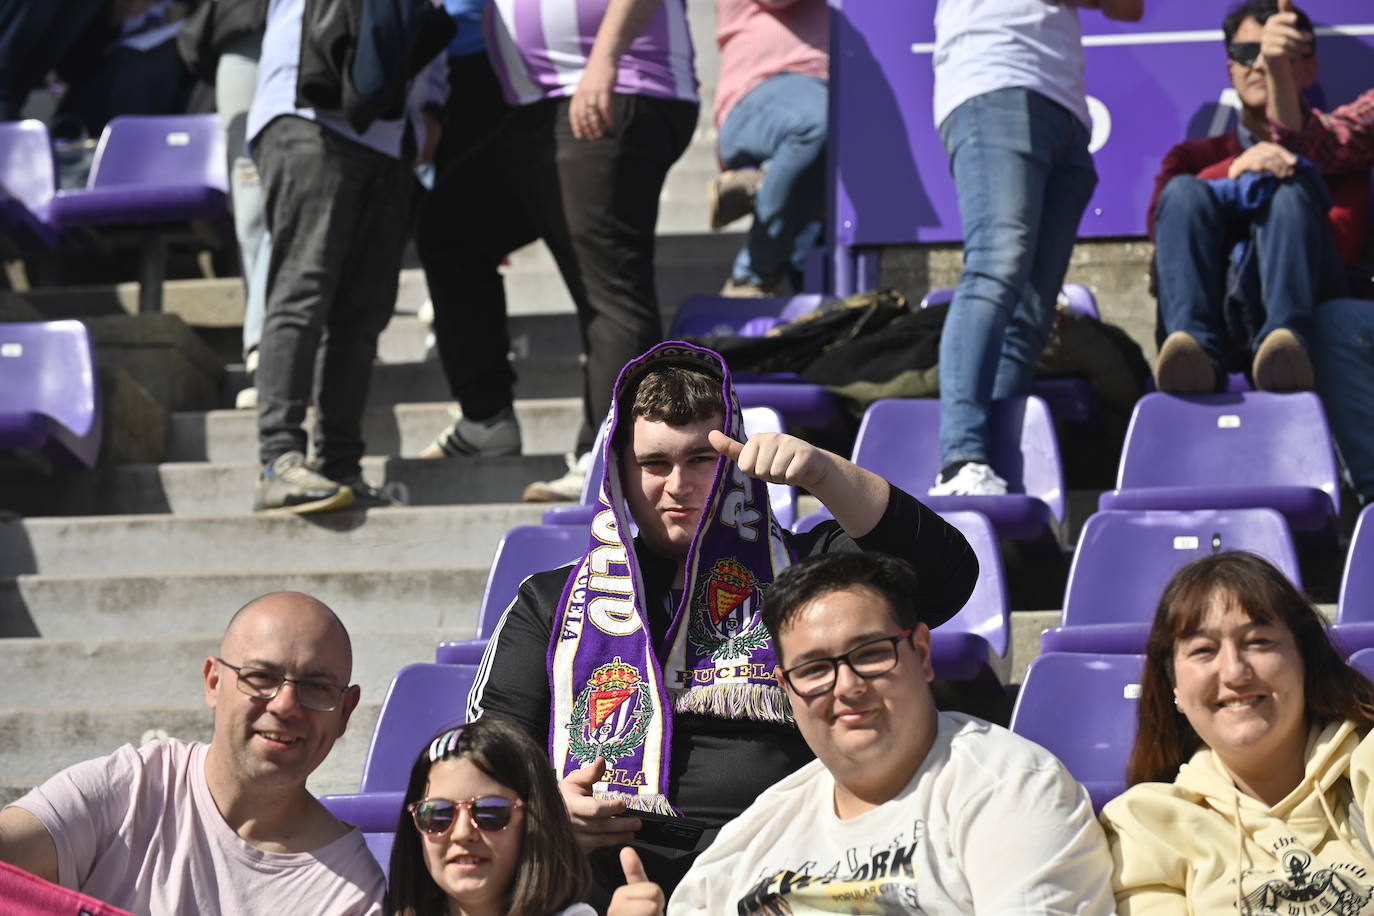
(139, 829)
(762, 38)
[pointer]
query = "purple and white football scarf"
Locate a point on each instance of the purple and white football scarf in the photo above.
(612, 696)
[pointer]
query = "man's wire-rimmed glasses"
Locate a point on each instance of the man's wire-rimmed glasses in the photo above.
(264, 684)
(868, 660)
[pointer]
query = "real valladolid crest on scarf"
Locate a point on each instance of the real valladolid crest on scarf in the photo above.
(612, 695)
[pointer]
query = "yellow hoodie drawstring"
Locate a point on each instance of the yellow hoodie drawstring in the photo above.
(1241, 851)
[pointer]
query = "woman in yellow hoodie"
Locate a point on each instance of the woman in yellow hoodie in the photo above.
(1250, 781)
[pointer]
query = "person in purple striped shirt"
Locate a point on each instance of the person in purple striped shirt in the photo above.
(604, 97)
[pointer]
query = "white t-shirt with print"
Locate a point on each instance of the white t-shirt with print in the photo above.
(990, 823)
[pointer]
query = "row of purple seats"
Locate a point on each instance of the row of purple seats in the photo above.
(960, 647)
(156, 180)
(423, 700)
(50, 392)
(1070, 399)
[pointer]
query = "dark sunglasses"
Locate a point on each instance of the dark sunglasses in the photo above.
(436, 816)
(1244, 53)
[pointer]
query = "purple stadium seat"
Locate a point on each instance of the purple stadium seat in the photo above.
(1354, 628)
(1363, 662)
(522, 552)
(899, 439)
(703, 316)
(50, 392)
(1231, 451)
(761, 419)
(156, 178)
(959, 647)
(1357, 584)
(28, 181)
(1082, 709)
(422, 701)
(1124, 560)
(1071, 399)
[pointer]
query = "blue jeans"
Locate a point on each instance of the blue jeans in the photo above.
(780, 122)
(1343, 358)
(1024, 175)
(1292, 264)
(235, 81)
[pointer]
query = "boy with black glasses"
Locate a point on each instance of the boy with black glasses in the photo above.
(908, 809)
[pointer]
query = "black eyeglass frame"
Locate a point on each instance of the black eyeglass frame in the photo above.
(459, 806)
(282, 680)
(1244, 53)
(835, 661)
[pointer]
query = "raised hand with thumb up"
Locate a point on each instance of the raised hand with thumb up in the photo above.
(638, 896)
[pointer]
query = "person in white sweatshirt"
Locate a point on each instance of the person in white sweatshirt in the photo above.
(1251, 772)
(908, 810)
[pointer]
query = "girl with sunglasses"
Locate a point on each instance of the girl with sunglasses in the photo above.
(484, 831)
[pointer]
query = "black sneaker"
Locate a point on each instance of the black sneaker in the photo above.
(368, 496)
(289, 484)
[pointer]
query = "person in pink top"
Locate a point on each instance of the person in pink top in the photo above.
(179, 827)
(771, 101)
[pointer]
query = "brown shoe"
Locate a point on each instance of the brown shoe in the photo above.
(1183, 367)
(1282, 364)
(730, 195)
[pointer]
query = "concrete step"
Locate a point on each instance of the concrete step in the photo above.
(37, 743)
(159, 544)
(547, 426)
(410, 383)
(204, 488)
(137, 670)
(106, 606)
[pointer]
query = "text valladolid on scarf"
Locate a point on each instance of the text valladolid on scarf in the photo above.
(612, 696)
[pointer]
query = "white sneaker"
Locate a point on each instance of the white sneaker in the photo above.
(565, 489)
(973, 479)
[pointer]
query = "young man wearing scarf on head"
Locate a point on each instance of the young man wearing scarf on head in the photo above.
(645, 665)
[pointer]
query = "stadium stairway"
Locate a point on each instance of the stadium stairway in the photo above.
(115, 583)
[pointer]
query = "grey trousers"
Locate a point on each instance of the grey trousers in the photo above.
(337, 212)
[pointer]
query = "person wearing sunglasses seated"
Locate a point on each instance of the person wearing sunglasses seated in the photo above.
(484, 830)
(907, 809)
(1249, 238)
(177, 827)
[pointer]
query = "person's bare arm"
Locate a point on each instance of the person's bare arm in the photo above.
(26, 843)
(589, 111)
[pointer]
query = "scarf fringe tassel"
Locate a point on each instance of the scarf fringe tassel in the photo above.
(760, 702)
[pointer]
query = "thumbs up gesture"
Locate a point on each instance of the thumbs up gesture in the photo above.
(1282, 40)
(638, 896)
(595, 820)
(776, 458)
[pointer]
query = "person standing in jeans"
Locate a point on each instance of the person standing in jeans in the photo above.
(604, 99)
(1013, 115)
(771, 110)
(337, 206)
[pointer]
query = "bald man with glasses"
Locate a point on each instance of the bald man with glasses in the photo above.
(180, 827)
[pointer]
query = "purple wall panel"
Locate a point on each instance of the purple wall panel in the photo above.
(890, 175)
